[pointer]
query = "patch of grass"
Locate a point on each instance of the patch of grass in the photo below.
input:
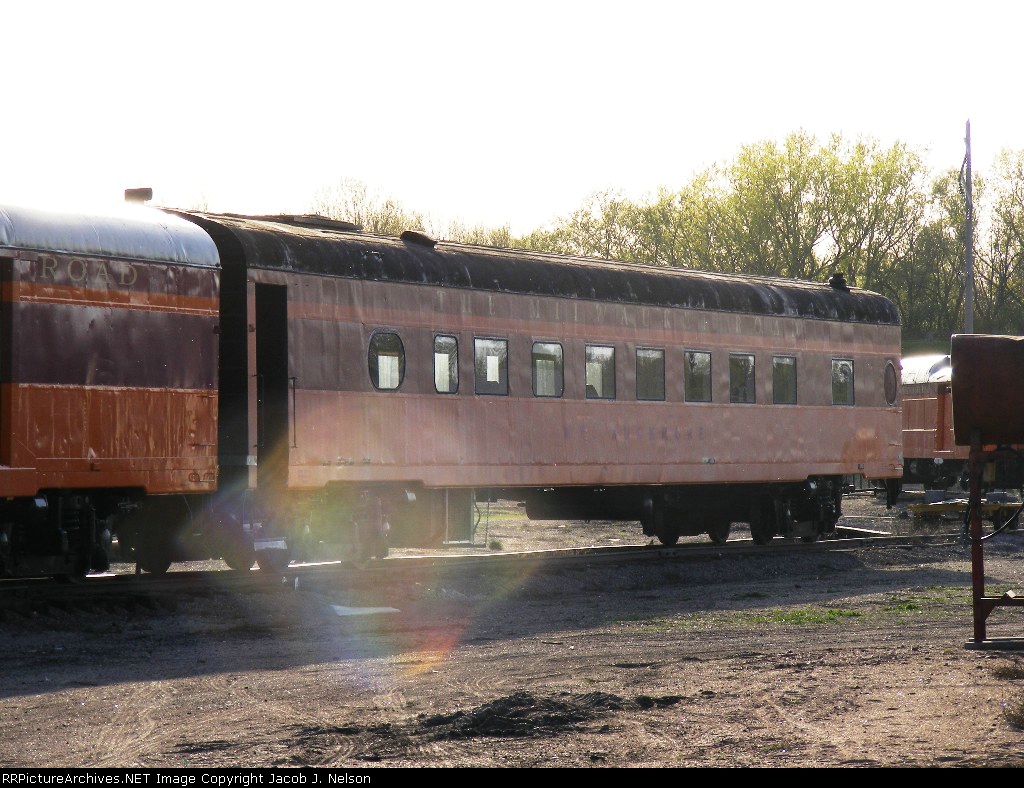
(504, 511)
(778, 748)
(1010, 672)
(804, 616)
(929, 596)
(997, 590)
(1014, 713)
(939, 601)
(903, 607)
(494, 544)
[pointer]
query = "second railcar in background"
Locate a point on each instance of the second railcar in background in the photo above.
(931, 456)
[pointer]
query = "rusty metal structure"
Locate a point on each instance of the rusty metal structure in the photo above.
(988, 417)
(277, 387)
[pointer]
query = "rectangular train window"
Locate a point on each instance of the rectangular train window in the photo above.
(741, 377)
(842, 381)
(600, 372)
(548, 375)
(446, 364)
(784, 380)
(650, 374)
(491, 366)
(697, 376)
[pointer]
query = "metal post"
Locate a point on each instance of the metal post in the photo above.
(968, 241)
(976, 465)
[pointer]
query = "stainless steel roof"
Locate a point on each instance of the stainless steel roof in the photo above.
(933, 368)
(128, 231)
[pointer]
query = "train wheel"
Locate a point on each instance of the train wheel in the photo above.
(153, 553)
(273, 560)
(154, 564)
(762, 522)
(719, 532)
(99, 558)
(76, 575)
(371, 545)
(668, 537)
(370, 530)
(239, 557)
(234, 545)
(6, 552)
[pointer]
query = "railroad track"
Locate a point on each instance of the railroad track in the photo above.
(126, 590)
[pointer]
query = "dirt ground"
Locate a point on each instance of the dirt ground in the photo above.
(855, 658)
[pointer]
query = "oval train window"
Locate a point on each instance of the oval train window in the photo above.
(386, 360)
(890, 383)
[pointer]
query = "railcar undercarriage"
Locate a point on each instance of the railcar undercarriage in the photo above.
(808, 509)
(69, 535)
(61, 534)
(936, 474)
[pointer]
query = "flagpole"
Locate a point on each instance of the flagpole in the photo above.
(968, 241)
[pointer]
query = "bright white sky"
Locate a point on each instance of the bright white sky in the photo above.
(480, 111)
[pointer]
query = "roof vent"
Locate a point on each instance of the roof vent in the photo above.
(838, 282)
(416, 237)
(313, 220)
(138, 195)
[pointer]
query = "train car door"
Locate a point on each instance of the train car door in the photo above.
(269, 426)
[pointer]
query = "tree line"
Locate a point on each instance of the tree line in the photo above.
(799, 209)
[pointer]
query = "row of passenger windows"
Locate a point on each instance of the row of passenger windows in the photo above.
(387, 370)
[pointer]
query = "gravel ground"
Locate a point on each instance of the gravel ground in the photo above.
(852, 658)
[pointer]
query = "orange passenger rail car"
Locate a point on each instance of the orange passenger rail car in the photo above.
(931, 456)
(348, 391)
(108, 358)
